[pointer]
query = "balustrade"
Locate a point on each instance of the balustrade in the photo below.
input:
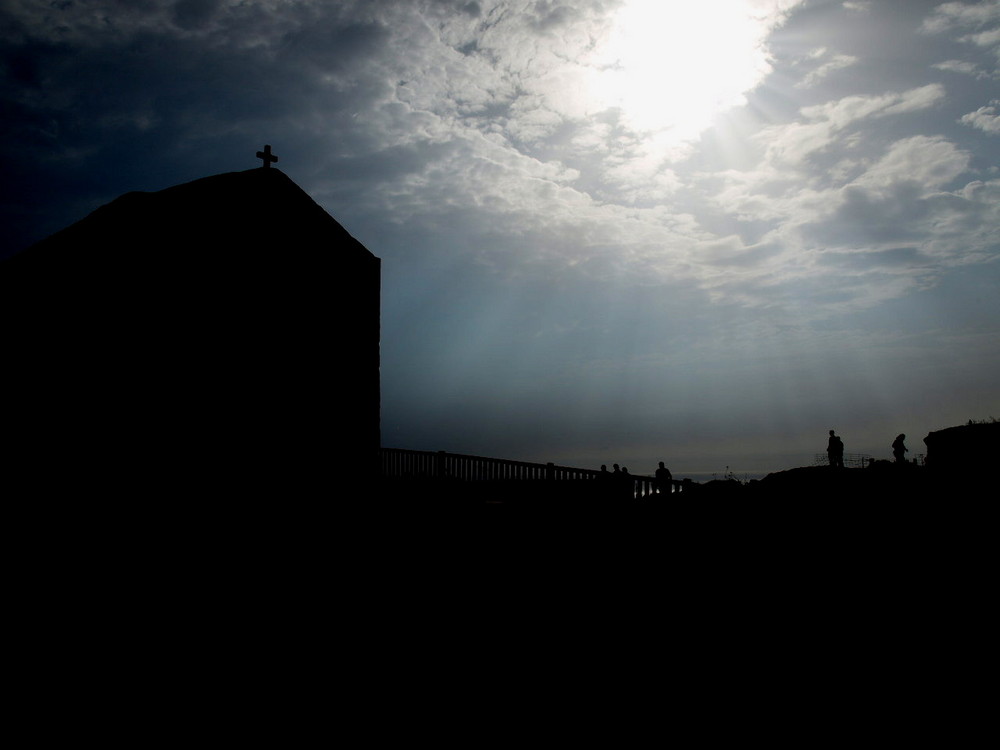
(398, 463)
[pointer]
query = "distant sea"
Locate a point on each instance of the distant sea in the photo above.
(707, 476)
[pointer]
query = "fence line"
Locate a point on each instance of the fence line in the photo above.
(399, 463)
(854, 460)
(860, 460)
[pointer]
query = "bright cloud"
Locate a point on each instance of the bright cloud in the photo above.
(984, 118)
(947, 16)
(828, 65)
(966, 68)
(930, 162)
(821, 125)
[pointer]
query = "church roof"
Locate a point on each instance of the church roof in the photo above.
(250, 217)
(250, 241)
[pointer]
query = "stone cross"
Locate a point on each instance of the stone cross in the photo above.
(267, 156)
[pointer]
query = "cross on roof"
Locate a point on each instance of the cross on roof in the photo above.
(267, 156)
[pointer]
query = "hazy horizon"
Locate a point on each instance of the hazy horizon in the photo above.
(611, 231)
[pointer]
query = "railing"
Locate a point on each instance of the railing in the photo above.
(852, 460)
(397, 463)
(861, 460)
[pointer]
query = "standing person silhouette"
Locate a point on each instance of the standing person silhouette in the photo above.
(898, 449)
(664, 480)
(627, 485)
(835, 451)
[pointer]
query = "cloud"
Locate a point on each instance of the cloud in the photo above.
(470, 121)
(965, 67)
(194, 14)
(894, 260)
(931, 162)
(898, 204)
(789, 145)
(832, 64)
(844, 111)
(984, 118)
(977, 24)
(897, 218)
(951, 15)
(990, 38)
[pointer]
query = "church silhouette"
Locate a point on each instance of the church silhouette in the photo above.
(219, 338)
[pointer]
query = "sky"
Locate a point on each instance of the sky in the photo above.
(703, 232)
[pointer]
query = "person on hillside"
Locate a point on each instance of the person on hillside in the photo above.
(664, 480)
(898, 449)
(835, 451)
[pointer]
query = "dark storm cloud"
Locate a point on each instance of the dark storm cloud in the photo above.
(327, 49)
(164, 82)
(195, 14)
(153, 66)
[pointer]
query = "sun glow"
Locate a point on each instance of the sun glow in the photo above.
(672, 66)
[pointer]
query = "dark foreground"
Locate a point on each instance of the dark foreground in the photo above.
(881, 482)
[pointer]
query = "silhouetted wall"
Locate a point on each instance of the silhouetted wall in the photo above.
(969, 449)
(218, 334)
